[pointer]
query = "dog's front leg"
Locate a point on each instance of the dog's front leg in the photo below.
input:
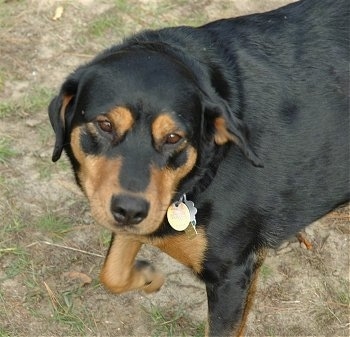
(121, 272)
(230, 299)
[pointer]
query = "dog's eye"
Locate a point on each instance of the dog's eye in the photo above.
(105, 126)
(172, 138)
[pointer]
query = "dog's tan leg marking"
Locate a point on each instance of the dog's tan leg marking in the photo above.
(239, 329)
(261, 255)
(120, 273)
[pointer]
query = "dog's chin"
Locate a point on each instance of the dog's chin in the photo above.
(127, 229)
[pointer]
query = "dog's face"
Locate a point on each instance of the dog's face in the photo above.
(133, 125)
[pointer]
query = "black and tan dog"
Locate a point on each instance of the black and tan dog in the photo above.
(247, 118)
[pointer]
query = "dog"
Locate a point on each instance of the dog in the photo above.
(213, 144)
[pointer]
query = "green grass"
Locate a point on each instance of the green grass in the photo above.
(36, 99)
(7, 108)
(6, 151)
(63, 311)
(45, 171)
(20, 260)
(172, 323)
(102, 24)
(341, 294)
(104, 237)
(266, 272)
(55, 226)
(4, 333)
(2, 79)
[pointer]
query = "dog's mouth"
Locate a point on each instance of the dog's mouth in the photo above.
(129, 214)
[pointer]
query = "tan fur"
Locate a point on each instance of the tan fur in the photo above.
(189, 252)
(122, 119)
(65, 101)
(119, 273)
(163, 126)
(261, 255)
(222, 135)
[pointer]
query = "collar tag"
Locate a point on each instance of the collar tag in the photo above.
(181, 216)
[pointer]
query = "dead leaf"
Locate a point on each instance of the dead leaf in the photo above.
(58, 13)
(75, 275)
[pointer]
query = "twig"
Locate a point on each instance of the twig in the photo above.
(334, 315)
(54, 301)
(66, 247)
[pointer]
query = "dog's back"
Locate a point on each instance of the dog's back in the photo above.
(294, 80)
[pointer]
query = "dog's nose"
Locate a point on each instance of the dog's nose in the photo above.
(129, 210)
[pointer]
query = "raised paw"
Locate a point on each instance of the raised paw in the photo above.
(154, 279)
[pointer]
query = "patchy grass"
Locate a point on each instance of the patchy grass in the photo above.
(56, 226)
(6, 151)
(3, 76)
(330, 301)
(171, 323)
(31, 102)
(19, 261)
(64, 312)
(36, 100)
(266, 272)
(102, 24)
(7, 108)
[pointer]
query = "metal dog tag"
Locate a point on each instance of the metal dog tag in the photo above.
(191, 208)
(178, 216)
(182, 216)
(191, 231)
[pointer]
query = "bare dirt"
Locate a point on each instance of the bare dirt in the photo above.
(51, 251)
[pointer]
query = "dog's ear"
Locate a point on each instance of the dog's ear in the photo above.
(61, 111)
(229, 128)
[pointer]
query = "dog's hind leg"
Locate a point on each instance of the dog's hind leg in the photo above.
(121, 272)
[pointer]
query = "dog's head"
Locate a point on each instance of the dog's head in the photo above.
(133, 124)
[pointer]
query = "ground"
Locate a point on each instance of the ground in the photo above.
(51, 251)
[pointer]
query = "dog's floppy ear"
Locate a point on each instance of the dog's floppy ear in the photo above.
(61, 112)
(229, 128)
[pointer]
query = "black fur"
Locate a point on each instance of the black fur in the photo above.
(281, 82)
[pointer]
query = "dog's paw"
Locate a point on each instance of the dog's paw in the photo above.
(154, 279)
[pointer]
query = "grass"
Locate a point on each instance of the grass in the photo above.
(103, 23)
(63, 310)
(7, 108)
(4, 333)
(331, 302)
(36, 100)
(19, 261)
(266, 272)
(54, 225)
(6, 151)
(3, 76)
(46, 167)
(173, 323)
(33, 101)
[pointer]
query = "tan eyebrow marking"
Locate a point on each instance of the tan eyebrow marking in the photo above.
(164, 125)
(122, 119)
